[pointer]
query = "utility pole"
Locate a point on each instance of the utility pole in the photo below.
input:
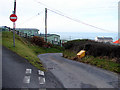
(118, 22)
(14, 12)
(14, 6)
(70, 38)
(46, 24)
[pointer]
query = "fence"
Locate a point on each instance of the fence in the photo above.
(22, 34)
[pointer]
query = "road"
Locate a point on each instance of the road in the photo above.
(74, 74)
(18, 73)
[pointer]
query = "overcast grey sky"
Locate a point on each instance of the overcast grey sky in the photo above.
(100, 13)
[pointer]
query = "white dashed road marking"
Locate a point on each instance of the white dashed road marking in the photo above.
(41, 80)
(40, 72)
(26, 79)
(28, 71)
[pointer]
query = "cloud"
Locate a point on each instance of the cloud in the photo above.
(101, 13)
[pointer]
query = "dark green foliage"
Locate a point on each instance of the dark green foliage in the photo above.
(94, 48)
(38, 41)
(58, 47)
(78, 45)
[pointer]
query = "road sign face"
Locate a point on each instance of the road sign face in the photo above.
(13, 17)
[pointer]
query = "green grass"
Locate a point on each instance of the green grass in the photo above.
(69, 54)
(21, 48)
(102, 63)
(41, 50)
(96, 61)
(25, 49)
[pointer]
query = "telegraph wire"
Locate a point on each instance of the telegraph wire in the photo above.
(76, 20)
(73, 19)
(110, 7)
(80, 21)
(29, 19)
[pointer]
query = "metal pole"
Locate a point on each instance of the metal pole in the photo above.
(13, 34)
(118, 34)
(14, 6)
(14, 24)
(46, 24)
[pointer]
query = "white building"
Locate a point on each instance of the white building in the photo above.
(104, 39)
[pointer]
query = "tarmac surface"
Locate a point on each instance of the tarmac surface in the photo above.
(74, 74)
(18, 73)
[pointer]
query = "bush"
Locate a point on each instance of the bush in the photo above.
(94, 48)
(38, 41)
(47, 45)
(78, 45)
(58, 47)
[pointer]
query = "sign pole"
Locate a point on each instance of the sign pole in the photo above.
(13, 18)
(14, 24)
(46, 24)
(13, 34)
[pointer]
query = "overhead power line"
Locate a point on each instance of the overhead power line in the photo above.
(29, 19)
(76, 20)
(110, 7)
(71, 18)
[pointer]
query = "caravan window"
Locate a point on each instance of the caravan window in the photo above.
(56, 39)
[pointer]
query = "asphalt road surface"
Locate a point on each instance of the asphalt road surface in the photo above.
(18, 73)
(74, 74)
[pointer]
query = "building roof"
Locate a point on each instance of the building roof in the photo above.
(27, 29)
(4, 27)
(105, 38)
(48, 35)
(117, 42)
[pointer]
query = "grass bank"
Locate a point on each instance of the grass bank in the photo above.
(40, 50)
(25, 49)
(21, 48)
(104, 63)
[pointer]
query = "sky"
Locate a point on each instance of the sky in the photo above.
(102, 14)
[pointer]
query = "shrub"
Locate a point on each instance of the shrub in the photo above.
(94, 48)
(47, 45)
(38, 41)
(58, 47)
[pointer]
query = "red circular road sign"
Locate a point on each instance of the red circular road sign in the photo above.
(13, 17)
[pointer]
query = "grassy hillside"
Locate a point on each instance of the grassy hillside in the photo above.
(21, 48)
(98, 54)
(25, 49)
